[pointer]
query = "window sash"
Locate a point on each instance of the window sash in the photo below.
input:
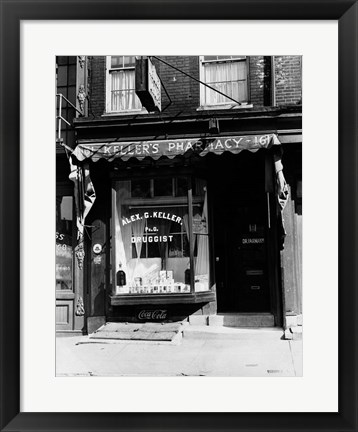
(121, 86)
(228, 77)
(122, 62)
(222, 59)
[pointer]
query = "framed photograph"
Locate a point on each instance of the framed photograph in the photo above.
(190, 292)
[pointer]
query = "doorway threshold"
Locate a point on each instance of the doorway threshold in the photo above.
(242, 320)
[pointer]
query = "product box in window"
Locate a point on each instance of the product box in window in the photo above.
(124, 289)
(179, 287)
(186, 288)
(133, 290)
(137, 281)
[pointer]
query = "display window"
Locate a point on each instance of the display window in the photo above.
(156, 251)
(64, 243)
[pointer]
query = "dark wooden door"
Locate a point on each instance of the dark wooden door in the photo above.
(243, 223)
(241, 248)
(247, 276)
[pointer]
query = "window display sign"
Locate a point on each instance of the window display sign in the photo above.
(97, 248)
(199, 224)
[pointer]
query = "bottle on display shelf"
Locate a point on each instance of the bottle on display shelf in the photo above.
(187, 276)
(121, 276)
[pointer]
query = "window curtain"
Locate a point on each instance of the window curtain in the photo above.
(202, 259)
(123, 95)
(230, 78)
(122, 232)
(138, 231)
(186, 227)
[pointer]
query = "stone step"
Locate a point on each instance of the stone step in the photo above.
(234, 320)
(219, 333)
(167, 332)
(242, 320)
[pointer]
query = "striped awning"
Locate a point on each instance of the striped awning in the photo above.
(170, 148)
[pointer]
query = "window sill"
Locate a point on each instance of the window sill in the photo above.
(123, 113)
(65, 295)
(156, 299)
(224, 107)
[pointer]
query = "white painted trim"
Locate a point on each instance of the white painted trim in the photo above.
(227, 106)
(201, 77)
(108, 87)
(124, 112)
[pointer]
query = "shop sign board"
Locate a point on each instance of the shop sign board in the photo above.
(171, 148)
(154, 86)
(147, 84)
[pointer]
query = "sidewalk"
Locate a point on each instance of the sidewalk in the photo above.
(203, 351)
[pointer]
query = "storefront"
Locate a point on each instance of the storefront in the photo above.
(181, 227)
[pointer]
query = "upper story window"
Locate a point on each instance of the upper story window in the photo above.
(120, 87)
(227, 74)
(66, 86)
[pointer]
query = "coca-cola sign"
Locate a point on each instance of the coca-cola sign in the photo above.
(153, 315)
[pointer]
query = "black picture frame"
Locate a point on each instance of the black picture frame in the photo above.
(12, 12)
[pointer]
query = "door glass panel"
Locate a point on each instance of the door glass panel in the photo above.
(64, 239)
(252, 281)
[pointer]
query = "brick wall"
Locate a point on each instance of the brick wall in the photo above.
(97, 86)
(185, 92)
(288, 80)
(256, 74)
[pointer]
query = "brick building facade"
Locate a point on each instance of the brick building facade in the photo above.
(247, 270)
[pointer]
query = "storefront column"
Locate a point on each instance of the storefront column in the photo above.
(97, 252)
(96, 281)
(79, 298)
(291, 264)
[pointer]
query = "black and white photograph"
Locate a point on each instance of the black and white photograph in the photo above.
(179, 215)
